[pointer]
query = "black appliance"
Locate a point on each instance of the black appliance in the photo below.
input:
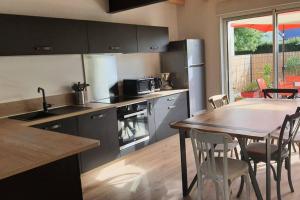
(157, 83)
(133, 126)
(135, 87)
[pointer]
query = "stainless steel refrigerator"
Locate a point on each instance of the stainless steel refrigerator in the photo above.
(185, 59)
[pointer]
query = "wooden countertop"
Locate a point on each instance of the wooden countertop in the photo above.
(23, 148)
(102, 106)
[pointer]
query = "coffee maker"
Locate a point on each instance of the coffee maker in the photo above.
(166, 81)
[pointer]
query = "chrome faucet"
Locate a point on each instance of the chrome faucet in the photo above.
(45, 104)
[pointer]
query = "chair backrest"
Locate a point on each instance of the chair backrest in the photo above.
(217, 101)
(289, 93)
(288, 131)
(261, 84)
(204, 144)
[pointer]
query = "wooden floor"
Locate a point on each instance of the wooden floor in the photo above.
(153, 173)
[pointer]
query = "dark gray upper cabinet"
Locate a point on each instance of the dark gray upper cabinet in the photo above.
(112, 38)
(152, 39)
(24, 35)
(101, 125)
(169, 109)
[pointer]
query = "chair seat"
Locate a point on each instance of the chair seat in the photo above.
(236, 168)
(257, 151)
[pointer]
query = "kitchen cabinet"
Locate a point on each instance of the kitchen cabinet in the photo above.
(101, 125)
(151, 121)
(28, 35)
(169, 109)
(67, 126)
(25, 35)
(152, 39)
(111, 38)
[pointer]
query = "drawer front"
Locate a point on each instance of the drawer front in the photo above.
(67, 126)
(169, 109)
(101, 126)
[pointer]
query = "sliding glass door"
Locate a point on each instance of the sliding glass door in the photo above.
(263, 51)
(289, 49)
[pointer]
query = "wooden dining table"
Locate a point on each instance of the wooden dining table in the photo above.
(246, 119)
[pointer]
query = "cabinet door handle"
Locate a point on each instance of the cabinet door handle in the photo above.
(114, 48)
(43, 48)
(150, 107)
(100, 116)
(154, 47)
(171, 107)
(171, 99)
(53, 127)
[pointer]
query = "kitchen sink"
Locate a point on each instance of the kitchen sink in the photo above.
(52, 112)
(33, 116)
(67, 109)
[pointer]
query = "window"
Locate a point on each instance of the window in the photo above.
(262, 52)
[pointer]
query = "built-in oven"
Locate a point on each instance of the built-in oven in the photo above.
(133, 125)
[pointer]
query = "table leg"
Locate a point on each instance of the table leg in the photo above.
(268, 168)
(242, 143)
(183, 162)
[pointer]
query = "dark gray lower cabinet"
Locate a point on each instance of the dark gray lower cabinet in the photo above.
(67, 126)
(151, 121)
(169, 109)
(101, 125)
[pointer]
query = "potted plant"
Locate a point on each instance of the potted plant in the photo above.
(250, 91)
(292, 70)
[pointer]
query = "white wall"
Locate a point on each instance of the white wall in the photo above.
(20, 76)
(200, 19)
(103, 71)
(23, 74)
(197, 19)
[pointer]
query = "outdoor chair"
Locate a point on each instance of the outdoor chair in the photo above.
(283, 92)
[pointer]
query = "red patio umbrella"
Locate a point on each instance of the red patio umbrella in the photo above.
(265, 27)
(268, 28)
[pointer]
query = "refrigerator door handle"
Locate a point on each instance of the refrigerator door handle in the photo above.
(198, 65)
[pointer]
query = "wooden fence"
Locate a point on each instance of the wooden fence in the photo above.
(247, 68)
